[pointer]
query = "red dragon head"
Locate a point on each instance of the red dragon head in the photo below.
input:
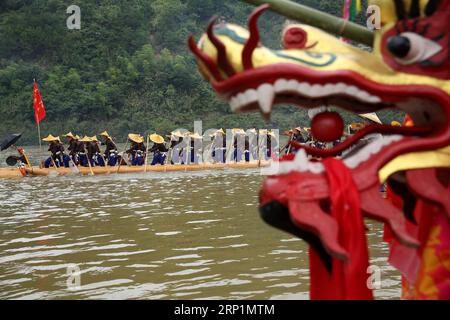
(408, 70)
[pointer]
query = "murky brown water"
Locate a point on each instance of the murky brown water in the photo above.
(187, 235)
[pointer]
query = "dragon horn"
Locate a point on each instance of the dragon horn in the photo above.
(319, 19)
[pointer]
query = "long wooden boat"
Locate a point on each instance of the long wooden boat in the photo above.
(36, 171)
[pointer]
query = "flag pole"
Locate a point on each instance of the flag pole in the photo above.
(38, 126)
(39, 134)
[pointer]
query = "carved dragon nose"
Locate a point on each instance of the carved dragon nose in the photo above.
(399, 46)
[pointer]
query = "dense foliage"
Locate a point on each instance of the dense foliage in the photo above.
(127, 70)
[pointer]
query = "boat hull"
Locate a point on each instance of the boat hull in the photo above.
(36, 171)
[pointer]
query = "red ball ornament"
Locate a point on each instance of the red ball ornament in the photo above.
(327, 126)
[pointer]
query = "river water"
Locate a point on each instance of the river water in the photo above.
(180, 235)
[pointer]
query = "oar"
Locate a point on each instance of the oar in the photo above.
(54, 164)
(288, 145)
(146, 155)
(121, 157)
(76, 170)
(229, 147)
(89, 164)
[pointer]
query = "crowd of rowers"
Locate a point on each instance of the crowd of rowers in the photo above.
(183, 148)
(87, 151)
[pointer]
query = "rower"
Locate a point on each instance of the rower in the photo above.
(56, 149)
(294, 135)
(158, 149)
(177, 147)
(111, 154)
(85, 152)
(219, 148)
(271, 143)
(97, 157)
(73, 143)
(238, 144)
(137, 149)
(195, 147)
(251, 145)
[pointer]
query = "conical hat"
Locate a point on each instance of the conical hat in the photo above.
(156, 138)
(195, 136)
(177, 133)
(70, 135)
(94, 138)
(86, 139)
(77, 137)
(51, 138)
(136, 137)
(371, 116)
(220, 131)
(237, 131)
(268, 132)
(105, 134)
(396, 123)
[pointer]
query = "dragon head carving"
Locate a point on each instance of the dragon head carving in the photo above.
(408, 69)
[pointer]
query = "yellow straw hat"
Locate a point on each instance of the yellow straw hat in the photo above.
(77, 137)
(306, 129)
(268, 132)
(51, 138)
(136, 138)
(156, 138)
(237, 131)
(70, 135)
(94, 138)
(176, 133)
(220, 131)
(105, 134)
(396, 124)
(86, 139)
(195, 136)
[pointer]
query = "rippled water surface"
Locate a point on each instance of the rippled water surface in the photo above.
(185, 235)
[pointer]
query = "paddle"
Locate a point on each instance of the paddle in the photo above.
(90, 166)
(122, 157)
(146, 155)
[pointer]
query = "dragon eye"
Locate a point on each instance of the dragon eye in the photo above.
(409, 48)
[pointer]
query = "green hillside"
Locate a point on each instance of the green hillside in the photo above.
(127, 69)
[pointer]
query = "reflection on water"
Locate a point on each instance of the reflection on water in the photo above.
(186, 235)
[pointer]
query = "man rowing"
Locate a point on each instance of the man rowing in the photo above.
(219, 146)
(195, 147)
(98, 158)
(56, 149)
(238, 144)
(178, 147)
(86, 153)
(137, 149)
(158, 149)
(110, 153)
(73, 146)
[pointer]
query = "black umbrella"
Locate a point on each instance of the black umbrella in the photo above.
(9, 140)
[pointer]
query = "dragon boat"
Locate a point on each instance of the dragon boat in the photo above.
(37, 171)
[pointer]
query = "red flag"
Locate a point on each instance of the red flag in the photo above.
(39, 110)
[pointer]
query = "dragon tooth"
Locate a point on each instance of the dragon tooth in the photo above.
(251, 95)
(234, 104)
(266, 95)
(292, 85)
(280, 85)
(303, 88)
